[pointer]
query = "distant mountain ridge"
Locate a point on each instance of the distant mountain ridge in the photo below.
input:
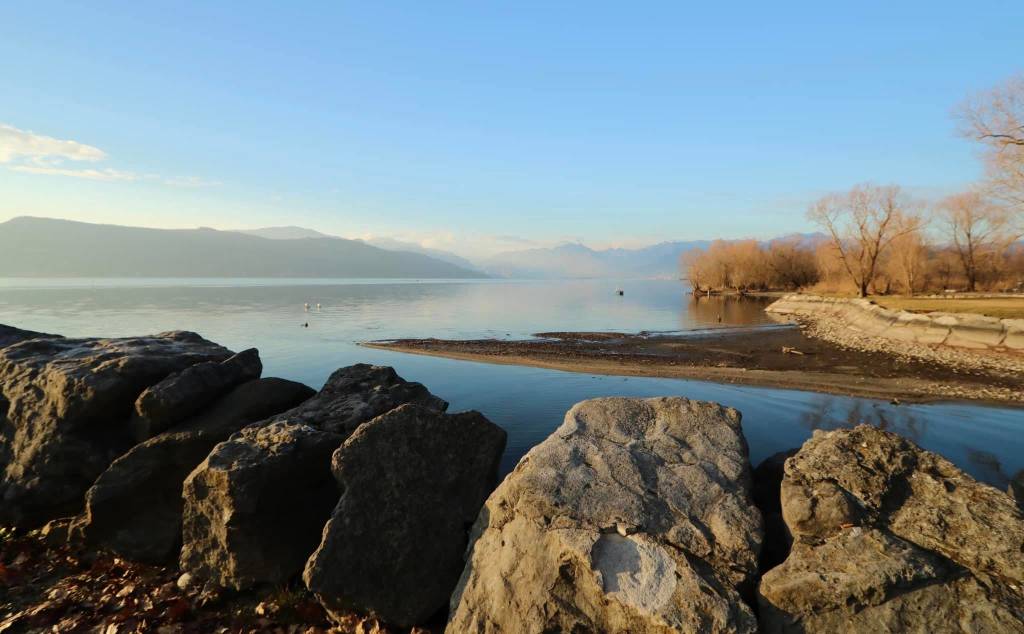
(400, 245)
(290, 232)
(580, 261)
(45, 247)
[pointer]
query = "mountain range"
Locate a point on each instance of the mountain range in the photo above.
(44, 247)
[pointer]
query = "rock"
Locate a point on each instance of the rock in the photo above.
(255, 509)
(889, 537)
(134, 508)
(186, 393)
(185, 581)
(414, 480)
(767, 494)
(357, 393)
(634, 515)
(9, 335)
(69, 404)
(59, 531)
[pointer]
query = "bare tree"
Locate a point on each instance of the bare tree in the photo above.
(980, 231)
(793, 266)
(862, 224)
(908, 261)
(996, 119)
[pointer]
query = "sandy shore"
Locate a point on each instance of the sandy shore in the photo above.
(781, 357)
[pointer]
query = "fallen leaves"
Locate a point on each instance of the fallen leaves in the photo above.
(62, 588)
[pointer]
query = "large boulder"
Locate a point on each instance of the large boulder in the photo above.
(635, 515)
(134, 508)
(186, 393)
(414, 480)
(357, 393)
(70, 401)
(255, 509)
(889, 537)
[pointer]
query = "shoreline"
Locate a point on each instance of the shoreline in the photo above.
(751, 357)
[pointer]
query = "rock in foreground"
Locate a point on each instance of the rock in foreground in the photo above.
(69, 405)
(186, 393)
(134, 508)
(889, 537)
(414, 480)
(635, 515)
(255, 509)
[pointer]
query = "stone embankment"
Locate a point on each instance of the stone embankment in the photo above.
(958, 340)
(638, 515)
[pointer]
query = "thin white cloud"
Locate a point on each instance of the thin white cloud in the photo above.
(90, 174)
(18, 144)
(30, 153)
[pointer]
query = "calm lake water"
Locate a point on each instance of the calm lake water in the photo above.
(528, 402)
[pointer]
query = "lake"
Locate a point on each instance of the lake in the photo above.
(987, 442)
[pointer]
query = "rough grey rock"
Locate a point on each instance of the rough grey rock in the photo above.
(186, 393)
(255, 509)
(889, 537)
(134, 508)
(69, 404)
(9, 335)
(635, 515)
(357, 393)
(414, 480)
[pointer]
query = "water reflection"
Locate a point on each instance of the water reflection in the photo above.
(528, 402)
(725, 309)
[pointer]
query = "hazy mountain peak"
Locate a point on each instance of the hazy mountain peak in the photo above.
(287, 232)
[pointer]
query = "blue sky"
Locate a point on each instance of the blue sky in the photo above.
(481, 126)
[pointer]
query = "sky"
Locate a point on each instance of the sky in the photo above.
(483, 126)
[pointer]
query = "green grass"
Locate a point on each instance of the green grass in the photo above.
(1001, 307)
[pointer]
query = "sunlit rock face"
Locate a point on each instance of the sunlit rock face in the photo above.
(634, 515)
(889, 537)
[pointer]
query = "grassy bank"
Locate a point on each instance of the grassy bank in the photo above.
(1001, 307)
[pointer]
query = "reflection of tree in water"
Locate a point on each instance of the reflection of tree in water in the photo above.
(734, 310)
(828, 412)
(989, 467)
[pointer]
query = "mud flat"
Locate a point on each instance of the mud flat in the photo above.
(783, 356)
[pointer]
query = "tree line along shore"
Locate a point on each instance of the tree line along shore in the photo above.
(880, 239)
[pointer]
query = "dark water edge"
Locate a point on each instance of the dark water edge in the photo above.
(529, 403)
